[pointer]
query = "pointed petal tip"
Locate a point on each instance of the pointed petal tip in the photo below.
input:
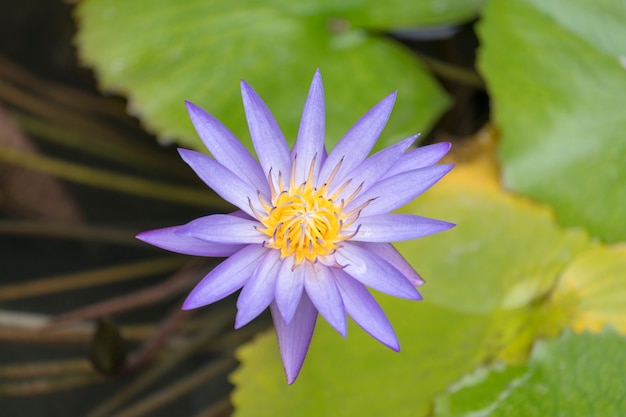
(391, 97)
(147, 236)
(239, 322)
(446, 168)
(290, 378)
(292, 371)
(246, 91)
(193, 109)
(245, 316)
(390, 342)
(190, 304)
(182, 152)
(317, 79)
(446, 145)
(410, 141)
(245, 87)
(412, 295)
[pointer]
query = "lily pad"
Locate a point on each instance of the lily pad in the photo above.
(504, 253)
(575, 375)
(359, 376)
(159, 53)
(480, 296)
(557, 78)
(592, 290)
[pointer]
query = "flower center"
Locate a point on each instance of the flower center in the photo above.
(303, 220)
(305, 223)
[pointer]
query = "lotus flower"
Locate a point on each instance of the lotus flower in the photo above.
(313, 228)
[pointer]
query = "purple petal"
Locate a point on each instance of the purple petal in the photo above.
(419, 158)
(226, 278)
(395, 227)
(322, 290)
(289, 286)
(294, 338)
(359, 140)
(258, 292)
(310, 143)
(221, 180)
(364, 310)
(226, 148)
(391, 193)
(224, 228)
(392, 256)
(373, 271)
(169, 239)
(369, 171)
(268, 140)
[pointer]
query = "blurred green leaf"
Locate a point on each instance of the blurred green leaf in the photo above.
(484, 280)
(576, 375)
(592, 289)
(504, 253)
(159, 53)
(360, 377)
(557, 78)
(373, 14)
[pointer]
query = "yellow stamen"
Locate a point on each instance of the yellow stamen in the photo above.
(303, 221)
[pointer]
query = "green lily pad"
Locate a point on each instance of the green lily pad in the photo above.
(159, 53)
(557, 77)
(592, 290)
(479, 304)
(504, 253)
(575, 375)
(359, 376)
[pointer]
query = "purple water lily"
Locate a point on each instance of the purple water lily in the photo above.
(313, 229)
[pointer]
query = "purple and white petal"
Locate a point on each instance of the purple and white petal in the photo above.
(392, 256)
(359, 141)
(369, 171)
(267, 138)
(373, 271)
(394, 192)
(226, 278)
(395, 227)
(364, 310)
(289, 288)
(419, 158)
(258, 292)
(311, 135)
(221, 180)
(226, 148)
(322, 290)
(343, 260)
(169, 239)
(294, 338)
(224, 228)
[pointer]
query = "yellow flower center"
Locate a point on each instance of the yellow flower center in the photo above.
(305, 221)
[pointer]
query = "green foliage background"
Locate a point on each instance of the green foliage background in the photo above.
(538, 249)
